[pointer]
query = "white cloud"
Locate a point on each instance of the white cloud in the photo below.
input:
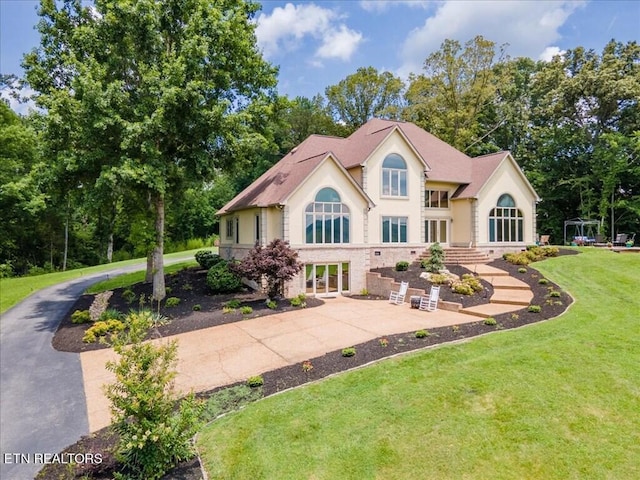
(287, 27)
(550, 52)
(529, 27)
(341, 43)
(383, 5)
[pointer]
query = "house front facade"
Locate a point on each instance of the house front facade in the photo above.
(382, 195)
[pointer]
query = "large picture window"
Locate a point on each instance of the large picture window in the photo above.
(394, 229)
(394, 176)
(327, 219)
(506, 223)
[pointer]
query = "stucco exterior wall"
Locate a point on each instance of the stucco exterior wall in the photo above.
(506, 179)
(409, 206)
(462, 225)
(328, 174)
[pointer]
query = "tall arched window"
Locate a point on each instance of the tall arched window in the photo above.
(506, 223)
(327, 218)
(394, 176)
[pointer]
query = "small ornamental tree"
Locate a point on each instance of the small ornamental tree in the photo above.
(155, 430)
(435, 262)
(276, 262)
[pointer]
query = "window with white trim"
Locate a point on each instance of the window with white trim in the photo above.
(327, 218)
(394, 176)
(506, 222)
(394, 229)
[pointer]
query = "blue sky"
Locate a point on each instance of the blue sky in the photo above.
(317, 44)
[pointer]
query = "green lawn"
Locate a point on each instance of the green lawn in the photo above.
(14, 290)
(555, 400)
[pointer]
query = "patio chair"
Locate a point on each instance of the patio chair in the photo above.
(430, 303)
(544, 239)
(621, 239)
(398, 297)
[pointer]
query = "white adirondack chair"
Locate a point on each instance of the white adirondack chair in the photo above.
(430, 303)
(398, 297)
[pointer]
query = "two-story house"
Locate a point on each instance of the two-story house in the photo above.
(381, 195)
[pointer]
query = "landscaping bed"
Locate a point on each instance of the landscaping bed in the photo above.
(325, 365)
(190, 287)
(412, 275)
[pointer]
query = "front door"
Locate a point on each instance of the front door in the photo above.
(436, 230)
(326, 279)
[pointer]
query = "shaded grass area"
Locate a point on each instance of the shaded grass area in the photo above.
(555, 400)
(132, 278)
(14, 290)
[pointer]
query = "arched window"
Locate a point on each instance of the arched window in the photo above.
(327, 218)
(506, 223)
(394, 176)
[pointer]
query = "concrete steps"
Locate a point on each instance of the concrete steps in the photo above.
(509, 294)
(460, 256)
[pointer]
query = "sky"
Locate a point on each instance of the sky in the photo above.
(319, 43)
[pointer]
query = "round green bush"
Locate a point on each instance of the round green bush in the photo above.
(402, 266)
(222, 280)
(207, 259)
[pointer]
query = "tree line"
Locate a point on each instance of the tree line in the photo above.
(152, 115)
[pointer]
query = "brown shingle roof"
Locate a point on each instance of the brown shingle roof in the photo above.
(276, 184)
(443, 162)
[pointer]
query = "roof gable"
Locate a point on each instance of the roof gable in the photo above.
(483, 168)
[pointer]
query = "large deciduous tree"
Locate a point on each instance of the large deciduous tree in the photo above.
(363, 95)
(149, 95)
(457, 85)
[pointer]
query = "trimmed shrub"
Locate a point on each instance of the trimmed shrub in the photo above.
(207, 259)
(246, 310)
(422, 334)
(534, 308)
(271, 304)
(220, 279)
(172, 302)
(402, 266)
(490, 321)
(299, 301)
(101, 329)
(462, 288)
(80, 316)
(255, 381)
(197, 307)
(439, 279)
(349, 352)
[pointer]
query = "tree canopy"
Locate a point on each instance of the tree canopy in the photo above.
(151, 95)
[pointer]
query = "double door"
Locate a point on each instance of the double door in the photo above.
(324, 279)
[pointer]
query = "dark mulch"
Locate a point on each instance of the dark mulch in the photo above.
(333, 362)
(412, 275)
(190, 287)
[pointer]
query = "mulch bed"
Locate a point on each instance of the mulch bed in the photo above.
(323, 366)
(412, 275)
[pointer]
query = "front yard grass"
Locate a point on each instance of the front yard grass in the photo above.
(14, 290)
(555, 400)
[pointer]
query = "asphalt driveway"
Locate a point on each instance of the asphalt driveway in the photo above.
(42, 400)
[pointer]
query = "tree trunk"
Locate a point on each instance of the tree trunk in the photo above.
(66, 237)
(148, 276)
(158, 264)
(110, 248)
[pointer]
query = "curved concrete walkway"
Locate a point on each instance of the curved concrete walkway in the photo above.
(42, 401)
(229, 353)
